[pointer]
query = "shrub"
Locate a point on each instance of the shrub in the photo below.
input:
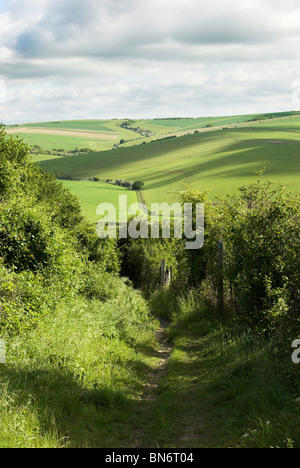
(98, 250)
(62, 207)
(260, 229)
(138, 185)
(13, 163)
(23, 301)
(262, 262)
(25, 237)
(142, 258)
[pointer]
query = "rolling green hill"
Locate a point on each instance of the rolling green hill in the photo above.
(219, 161)
(102, 135)
(98, 135)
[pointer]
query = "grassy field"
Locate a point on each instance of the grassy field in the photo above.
(219, 161)
(173, 125)
(69, 143)
(101, 135)
(97, 135)
(91, 194)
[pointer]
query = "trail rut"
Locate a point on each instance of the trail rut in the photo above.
(148, 397)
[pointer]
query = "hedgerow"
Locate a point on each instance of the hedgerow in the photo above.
(260, 230)
(48, 251)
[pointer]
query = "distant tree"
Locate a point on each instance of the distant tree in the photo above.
(138, 185)
(127, 123)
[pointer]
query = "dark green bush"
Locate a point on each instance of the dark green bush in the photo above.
(23, 300)
(47, 251)
(13, 163)
(260, 229)
(25, 237)
(62, 207)
(103, 251)
(142, 258)
(138, 185)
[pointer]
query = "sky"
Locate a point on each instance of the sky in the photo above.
(102, 59)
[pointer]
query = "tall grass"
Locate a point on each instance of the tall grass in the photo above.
(243, 386)
(73, 381)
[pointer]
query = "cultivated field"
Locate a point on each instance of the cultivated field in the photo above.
(96, 135)
(219, 161)
(101, 135)
(211, 154)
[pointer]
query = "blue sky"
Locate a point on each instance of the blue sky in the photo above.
(4, 5)
(76, 59)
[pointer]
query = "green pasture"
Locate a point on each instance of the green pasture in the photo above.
(37, 158)
(49, 142)
(87, 125)
(92, 194)
(158, 127)
(104, 126)
(69, 143)
(219, 161)
(165, 126)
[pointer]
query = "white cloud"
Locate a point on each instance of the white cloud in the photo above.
(104, 58)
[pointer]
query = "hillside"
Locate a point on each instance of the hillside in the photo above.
(98, 354)
(101, 135)
(213, 159)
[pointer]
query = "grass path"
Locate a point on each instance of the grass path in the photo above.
(200, 384)
(215, 386)
(151, 387)
(178, 418)
(168, 413)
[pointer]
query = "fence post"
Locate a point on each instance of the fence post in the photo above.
(220, 277)
(163, 272)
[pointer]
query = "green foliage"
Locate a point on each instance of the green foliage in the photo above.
(262, 261)
(47, 250)
(260, 229)
(99, 284)
(138, 185)
(13, 163)
(23, 301)
(98, 250)
(142, 258)
(62, 207)
(85, 364)
(163, 301)
(25, 237)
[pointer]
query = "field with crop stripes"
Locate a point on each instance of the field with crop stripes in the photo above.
(218, 161)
